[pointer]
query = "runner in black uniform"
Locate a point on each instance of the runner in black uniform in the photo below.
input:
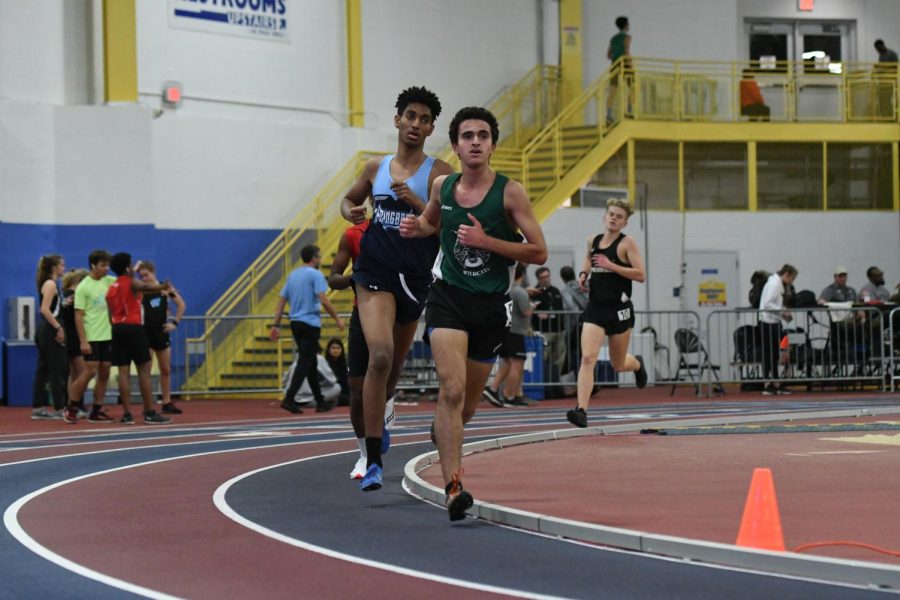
(612, 263)
(158, 325)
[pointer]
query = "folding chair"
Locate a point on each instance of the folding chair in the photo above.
(693, 357)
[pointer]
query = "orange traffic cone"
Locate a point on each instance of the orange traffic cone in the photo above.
(761, 523)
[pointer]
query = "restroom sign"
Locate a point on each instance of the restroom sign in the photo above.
(260, 19)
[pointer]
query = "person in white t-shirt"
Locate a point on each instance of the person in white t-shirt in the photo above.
(771, 314)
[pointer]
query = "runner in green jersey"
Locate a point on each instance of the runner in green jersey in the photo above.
(478, 214)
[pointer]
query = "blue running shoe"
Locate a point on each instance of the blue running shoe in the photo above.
(372, 480)
(385, 440)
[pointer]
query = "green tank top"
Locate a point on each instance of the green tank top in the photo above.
(617, 45)
(474, 270)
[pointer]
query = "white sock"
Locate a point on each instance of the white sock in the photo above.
(389, 413)
(361, 442)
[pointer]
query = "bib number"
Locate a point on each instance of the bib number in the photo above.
(624, 314)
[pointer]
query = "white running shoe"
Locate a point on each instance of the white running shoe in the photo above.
(359, 469)
(389, 413)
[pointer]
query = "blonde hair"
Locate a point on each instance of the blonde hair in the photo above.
(620, 203)
(145, 264)
(71, 279)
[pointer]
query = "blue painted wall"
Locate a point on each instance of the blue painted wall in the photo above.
(201, 263)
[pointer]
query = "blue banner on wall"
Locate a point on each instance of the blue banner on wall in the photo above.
(260, 19)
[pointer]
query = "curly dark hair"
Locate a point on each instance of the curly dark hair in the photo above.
(474, 112)
(419, 95)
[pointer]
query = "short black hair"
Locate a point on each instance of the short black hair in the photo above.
(520, 270)
(567, 273)
(419, 95)
(98, 256)
(120, 262)
(879, 44)
(541, 271)
(474, 112)
(622, 22)
(872, 270)
(307, 253)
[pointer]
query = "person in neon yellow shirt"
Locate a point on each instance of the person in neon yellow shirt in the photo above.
(95, 338)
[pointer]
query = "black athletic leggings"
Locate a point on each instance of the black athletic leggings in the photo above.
(307, 339)
(52, 368)
(770, 337)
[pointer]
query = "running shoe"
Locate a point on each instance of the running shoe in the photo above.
(783, 392)
(359, 469)
(70, 415)
(291, 407)
(517, 401)
(458, 499)
(640, 376)
(770, 390)
(100, 416)
(492, 397)
(577, 417)
(127, 419)
(389, 413)
(169, 408)
(371, 481)
(42, 414)
(154, 418)
(324, 406)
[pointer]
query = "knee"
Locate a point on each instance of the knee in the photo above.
(453, 392)
(589, 360)
(380, 360)
(165, 370)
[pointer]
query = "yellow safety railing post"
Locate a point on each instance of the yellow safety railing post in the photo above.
(751, 176)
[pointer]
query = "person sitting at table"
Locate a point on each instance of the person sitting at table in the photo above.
(874, 290)
(838, 291)
(753, 104)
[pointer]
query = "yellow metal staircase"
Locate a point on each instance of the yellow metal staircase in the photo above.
(234, 352)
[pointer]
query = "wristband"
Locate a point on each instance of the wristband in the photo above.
(173, 322)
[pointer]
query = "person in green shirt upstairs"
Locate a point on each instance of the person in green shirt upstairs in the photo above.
(478, 215)
(619, 46)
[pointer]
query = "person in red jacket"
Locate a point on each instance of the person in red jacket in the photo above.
(129, 341)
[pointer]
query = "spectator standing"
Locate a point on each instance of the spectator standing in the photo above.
(70, 281)
(753, 104)
(504, 390)
(158, 325)
(95, 338)
(770, 330)
(50, 339)
(575, 301)
(547, 297)
(129, 340)
(619, 46)
(304, 293)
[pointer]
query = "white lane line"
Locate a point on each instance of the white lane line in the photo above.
(11, 520)
(225, 508)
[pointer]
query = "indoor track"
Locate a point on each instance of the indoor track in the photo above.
(260, 506)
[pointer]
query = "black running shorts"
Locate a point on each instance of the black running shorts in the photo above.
(100, 352)
(514, 346)
(129, 344)
(483, 316)
(409, 292)
(613, 318)
(157, 338)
